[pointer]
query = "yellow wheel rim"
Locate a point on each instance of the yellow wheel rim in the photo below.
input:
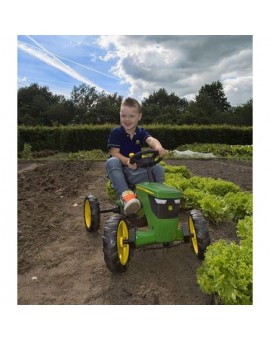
(122, 248)
(87, 214)
(193, 235)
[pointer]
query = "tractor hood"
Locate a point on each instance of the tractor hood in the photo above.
(158, 190)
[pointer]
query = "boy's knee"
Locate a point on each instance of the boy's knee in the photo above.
(159, 172)
(113, 162)
(160, 169)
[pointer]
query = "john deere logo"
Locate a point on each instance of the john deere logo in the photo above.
(137, 142)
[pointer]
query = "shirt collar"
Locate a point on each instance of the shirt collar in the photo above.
(124, 131)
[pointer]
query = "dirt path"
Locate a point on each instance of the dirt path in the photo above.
(60, 263)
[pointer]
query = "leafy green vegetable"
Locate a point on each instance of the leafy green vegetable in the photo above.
(227, 268)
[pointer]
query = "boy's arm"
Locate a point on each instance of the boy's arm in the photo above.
(156, 145)
(115, 152)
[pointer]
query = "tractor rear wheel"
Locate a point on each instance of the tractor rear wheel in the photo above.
(116, 251)
(91, 213)
(199, 234)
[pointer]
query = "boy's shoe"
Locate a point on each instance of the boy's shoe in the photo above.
(130, 202)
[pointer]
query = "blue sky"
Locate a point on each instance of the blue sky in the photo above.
(138, 65)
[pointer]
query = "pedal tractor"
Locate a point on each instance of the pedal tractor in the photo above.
(157, 222)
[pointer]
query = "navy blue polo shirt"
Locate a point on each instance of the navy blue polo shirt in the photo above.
(119, 139)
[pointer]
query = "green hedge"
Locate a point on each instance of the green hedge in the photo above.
(87, 137)
(64, 138)
(173, 136)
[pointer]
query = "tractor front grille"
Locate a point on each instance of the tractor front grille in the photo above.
(165, 208)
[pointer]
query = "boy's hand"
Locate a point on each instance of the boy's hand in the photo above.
(161, 151)
(131, 166)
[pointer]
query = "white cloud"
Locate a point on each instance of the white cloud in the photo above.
(182, 64)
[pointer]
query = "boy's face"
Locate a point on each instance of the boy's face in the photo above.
(129, 118)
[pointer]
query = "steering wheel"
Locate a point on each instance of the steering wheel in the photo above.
(145, 161)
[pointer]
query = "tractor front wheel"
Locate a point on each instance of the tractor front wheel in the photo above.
(199, 234)
(116, 251)
(91, 213)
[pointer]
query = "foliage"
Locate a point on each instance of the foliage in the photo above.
(231, 207)
(92, 107)
(179, 169)
(173, 136)
(227, 269)
(191, 198)
(220, 150)
(38, 106)
(110, 191)
(218, 200)
(226, 272)
(34, 102)
(161, 107)
(213, 94)
(26, 152)
(177, 181)
(74, 138)
(238, 205)
(213, 186)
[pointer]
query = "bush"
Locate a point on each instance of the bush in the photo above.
(74, 138)
(227, 269)
(27, 152)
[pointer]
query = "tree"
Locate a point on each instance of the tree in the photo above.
(107, 108)
(213, 95)
(95, 108)
(83, 98)
(243, 114)
(210, 105)
(161, 107)
(59, 114)
(162, 99)
(33, 102)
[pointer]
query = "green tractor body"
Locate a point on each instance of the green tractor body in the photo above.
(161, 205)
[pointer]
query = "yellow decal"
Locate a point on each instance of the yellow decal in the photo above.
(145, 190)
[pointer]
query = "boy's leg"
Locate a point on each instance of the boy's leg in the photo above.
(140, 175)
(136, 176)
(159, 173)
(115, 172)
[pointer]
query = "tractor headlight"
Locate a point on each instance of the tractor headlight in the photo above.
(159, 201)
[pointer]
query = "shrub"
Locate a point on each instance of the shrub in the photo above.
(27, 152)
(227, 269)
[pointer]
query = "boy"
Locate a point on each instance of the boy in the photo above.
(126, 139)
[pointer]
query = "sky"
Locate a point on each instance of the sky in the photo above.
(138, 65)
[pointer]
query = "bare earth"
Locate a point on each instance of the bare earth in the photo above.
(60, 263)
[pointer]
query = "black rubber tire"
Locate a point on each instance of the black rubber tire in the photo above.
(201, 232)
(110, 249)
(91, 213)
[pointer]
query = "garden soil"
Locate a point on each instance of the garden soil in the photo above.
(60, 263)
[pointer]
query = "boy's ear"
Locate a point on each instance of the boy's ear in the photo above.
(140, 115)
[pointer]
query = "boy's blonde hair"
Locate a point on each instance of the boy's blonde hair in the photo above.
(131, 102)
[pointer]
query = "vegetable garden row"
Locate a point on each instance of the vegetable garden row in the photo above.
(226, 272)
